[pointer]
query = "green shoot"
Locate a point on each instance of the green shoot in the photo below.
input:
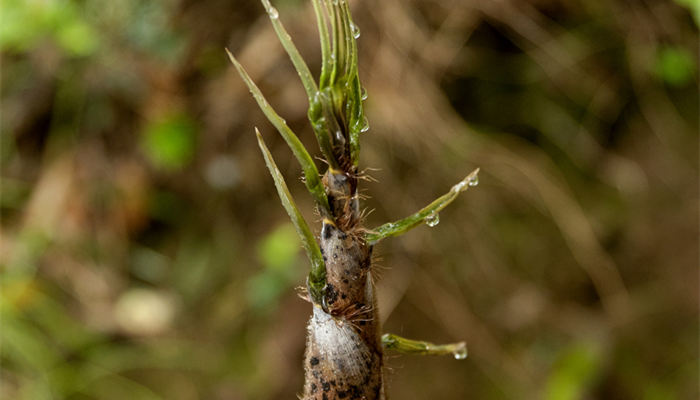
(317, 275)
(429, 214)
(408, 346)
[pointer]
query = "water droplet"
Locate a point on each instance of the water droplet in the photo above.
(355, 31)
(364, 94)
(432, 220)
(365, 125)
(473, 180)
(273, 13)
(339, 137)
(461, 352)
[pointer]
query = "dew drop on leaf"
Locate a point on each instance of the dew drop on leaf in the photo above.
(432, 220)
(460, 353)
(355, 31)
(365, 126)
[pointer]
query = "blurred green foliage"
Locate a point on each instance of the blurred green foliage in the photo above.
(169, 142)
(574, 371)
(675, 65)
(25, 23)
(278, 253)
(144, 254)
(278, 250)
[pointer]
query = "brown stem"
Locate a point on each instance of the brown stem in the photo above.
(343, 351)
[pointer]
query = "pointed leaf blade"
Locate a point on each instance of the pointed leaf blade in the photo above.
(410, 346)
(430, 211)
(311, 175)
(299, 64)
(317, 275)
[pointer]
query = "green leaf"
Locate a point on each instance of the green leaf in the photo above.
(301, 67)
(322, 22)
(409, 346)
(349, 48)
(358, 122)
(317, 275)
(311, 175)
(427, 214)
(338, 54)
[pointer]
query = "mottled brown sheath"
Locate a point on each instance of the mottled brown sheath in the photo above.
(343, 351)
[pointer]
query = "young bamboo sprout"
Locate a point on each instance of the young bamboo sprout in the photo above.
(344, 352)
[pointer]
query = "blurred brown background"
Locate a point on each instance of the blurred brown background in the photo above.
(145, 254)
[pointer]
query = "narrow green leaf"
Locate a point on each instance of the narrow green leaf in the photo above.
(302, 69)
(429, 214)
(344, 13)
(352, 41)
(337, 53)
(409, 346)
(354, 112)
(311, 175)
(317, 275)
(324, 35)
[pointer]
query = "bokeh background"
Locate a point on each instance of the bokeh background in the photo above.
(145, 254)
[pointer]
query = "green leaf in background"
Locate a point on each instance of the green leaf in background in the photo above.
(24, 23)
(77, 37)
(573, 372)
(169, 142)
(264, 289)
(674, 65)
(20, 24)
(278, 250)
